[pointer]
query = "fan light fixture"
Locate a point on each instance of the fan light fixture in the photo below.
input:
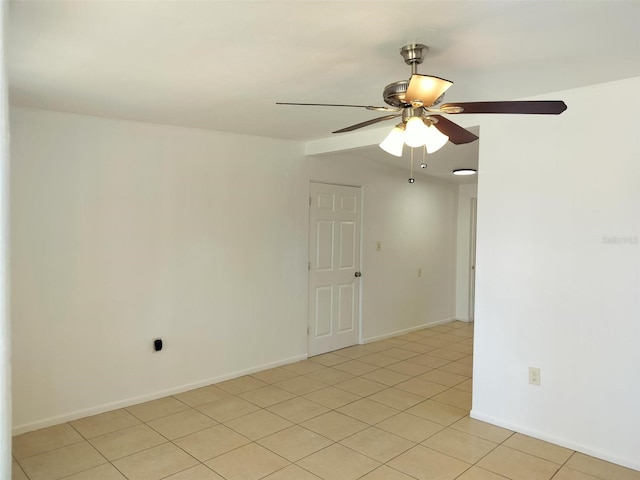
(415, 133)
(434, 139)
(394, 142)
(464, 171)
(424, 90)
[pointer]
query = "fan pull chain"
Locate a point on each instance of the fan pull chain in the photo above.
(424, 157)
(411, 179)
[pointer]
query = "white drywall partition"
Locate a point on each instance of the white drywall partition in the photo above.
(558, 273)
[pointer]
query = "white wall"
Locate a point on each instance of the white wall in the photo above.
(558, 263)
(123, 232)
(465, 194)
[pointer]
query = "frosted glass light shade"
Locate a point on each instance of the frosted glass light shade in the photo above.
(393, 142)
(415, 134)
(435, 139)
(425, 89)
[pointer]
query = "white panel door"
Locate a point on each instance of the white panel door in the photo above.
(334, 267)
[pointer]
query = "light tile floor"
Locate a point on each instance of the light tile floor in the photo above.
(397, 409)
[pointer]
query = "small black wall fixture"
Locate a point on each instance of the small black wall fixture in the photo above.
(157, 344)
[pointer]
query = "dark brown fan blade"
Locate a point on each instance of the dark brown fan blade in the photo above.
(368, 107)
(540, 107)
(367, 123)
(457, 135)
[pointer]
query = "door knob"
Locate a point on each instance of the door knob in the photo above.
(358, 274)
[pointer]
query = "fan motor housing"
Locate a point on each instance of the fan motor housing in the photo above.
(394, 94)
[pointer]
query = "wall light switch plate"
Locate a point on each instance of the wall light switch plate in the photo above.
(534, 376)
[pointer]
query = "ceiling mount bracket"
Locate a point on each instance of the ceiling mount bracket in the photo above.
(413, 55)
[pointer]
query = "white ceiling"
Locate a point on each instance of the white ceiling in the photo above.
(222, 65)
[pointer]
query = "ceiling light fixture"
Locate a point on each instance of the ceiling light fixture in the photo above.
(434, 139)
(464, 171)
(415, 135)
(424, 90)
(394, 142)
(415, 131)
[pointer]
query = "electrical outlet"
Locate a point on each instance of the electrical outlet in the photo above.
(378, 246)
(534, 376)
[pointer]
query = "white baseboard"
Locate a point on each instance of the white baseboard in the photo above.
(107, 407)
(625, 462)
(465, 320)
(406, 330)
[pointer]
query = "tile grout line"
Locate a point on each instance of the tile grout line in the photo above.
(369, 425)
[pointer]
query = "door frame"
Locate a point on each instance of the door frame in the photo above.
(473, 226)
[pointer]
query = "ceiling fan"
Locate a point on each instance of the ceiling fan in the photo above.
(418, 102)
